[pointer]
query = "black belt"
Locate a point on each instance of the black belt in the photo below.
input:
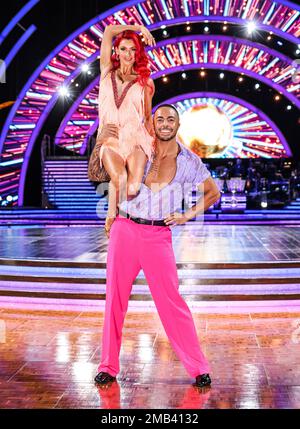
(143, 221)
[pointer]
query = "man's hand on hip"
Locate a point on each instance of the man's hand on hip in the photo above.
(175, 219)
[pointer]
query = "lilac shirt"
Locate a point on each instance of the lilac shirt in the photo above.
(158, 205)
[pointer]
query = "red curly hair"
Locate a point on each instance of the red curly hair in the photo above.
(141, 65)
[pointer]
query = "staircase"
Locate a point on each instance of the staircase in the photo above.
(294, 205)
(69, 190)
(244, 281)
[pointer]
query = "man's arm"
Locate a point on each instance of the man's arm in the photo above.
(211, 194)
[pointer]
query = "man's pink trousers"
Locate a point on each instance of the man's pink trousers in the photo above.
(133, 247)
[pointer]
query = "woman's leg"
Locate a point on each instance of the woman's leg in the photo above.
(136, 163)
(115, 167)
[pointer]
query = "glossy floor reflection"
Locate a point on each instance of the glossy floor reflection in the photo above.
(48, 360)
(192, 243)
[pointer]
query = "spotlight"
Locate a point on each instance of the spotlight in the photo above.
(206, 29)
(241, 79)
(85, 68)
(225, 27)
(269, 38)
(277, 97)
(298, 52)
(163, 27)
(221, 75)
(251, 27)
(289, 107)
(165, 79)
(202, 73)
(183, 75)
(264, 204)
(257, 86)
(165, 33)
(188, 28)
(279, 43)
(77, 84)
(9, 198)
(63, 91)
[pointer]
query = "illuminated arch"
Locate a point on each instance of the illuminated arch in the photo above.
(283, 62)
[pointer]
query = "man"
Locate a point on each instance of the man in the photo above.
(141, 238)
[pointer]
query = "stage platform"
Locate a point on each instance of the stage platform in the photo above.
(241, 264)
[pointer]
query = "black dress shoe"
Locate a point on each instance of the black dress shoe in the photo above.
(203, 380)
(104, 378)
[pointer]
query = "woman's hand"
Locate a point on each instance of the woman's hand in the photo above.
(147, 36)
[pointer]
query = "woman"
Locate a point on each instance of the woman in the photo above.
(125, 100)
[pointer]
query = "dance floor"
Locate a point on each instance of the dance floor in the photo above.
(49, 359)
(192, 243)
(241, 282)
(215, 263)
